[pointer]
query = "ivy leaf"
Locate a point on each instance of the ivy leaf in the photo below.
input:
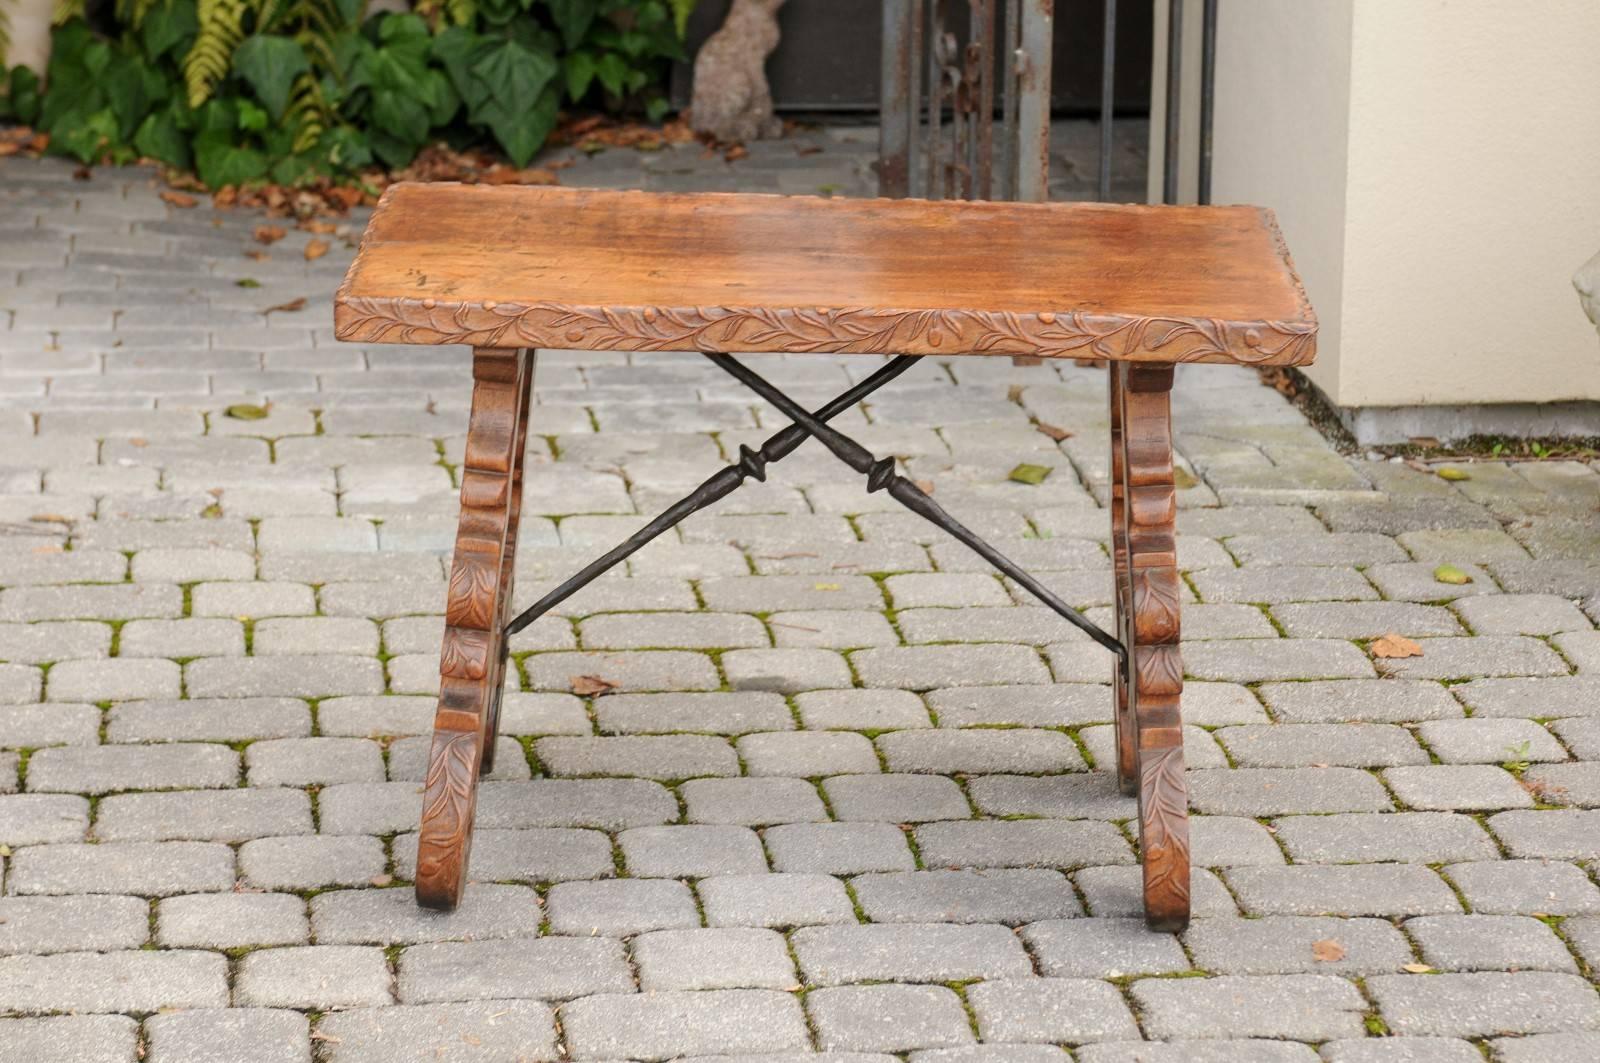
(580, 70)
(84, 137)
(252, 119)
(221, 162)
(23, 95)
(521, 133)
(572, 18)
(127, 90)
(612, 70)
(269, 65)
(515, 74)
(160, 138)
(169, 27)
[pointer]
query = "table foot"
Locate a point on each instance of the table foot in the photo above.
(1149, 682)
(472, 660)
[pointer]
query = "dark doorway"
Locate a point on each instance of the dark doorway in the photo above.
(828, 60)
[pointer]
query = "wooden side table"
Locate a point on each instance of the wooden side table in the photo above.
(507, 270)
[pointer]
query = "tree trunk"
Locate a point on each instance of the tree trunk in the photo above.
(731, 99)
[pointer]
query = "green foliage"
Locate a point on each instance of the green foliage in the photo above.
(301, 90)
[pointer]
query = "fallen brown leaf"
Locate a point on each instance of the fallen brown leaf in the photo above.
(316, 249)
(1014, 393)
(181, 200)
(258, 255)
(1417, 968)
(269, 234)
(290, 307)
(1392, 645)
(592, 686)
(9, 147)
(83, 173)
(736, 152)
(1327, 951)
(925, 485)
(321, 228)
(1057, 434)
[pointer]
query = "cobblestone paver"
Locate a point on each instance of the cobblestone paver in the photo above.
(851, 796)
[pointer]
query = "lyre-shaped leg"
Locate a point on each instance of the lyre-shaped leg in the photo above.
(472, 661)
(1144, 538)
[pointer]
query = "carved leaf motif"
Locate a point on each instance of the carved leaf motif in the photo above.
(843, 329)
(1164, 825)
(472, 591)
(1160, 670)
(465, 653)
(1155, 605)
(447, 803)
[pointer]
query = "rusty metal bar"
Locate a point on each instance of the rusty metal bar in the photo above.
(1033, 101)
(1011, 48)
(897, 97)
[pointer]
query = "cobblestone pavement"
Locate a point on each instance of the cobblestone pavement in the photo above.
(852, 795)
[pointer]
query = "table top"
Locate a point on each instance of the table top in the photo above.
(590, 269)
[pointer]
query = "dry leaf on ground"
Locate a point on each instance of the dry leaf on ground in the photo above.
(290, 307)
(269, 234)
(181, 200)
(1327, 950)
(1392, 645)
(316, 249)
(1417, 968)
(1057, 434)
(590, 686)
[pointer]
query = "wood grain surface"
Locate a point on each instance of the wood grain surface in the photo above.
(601, 270)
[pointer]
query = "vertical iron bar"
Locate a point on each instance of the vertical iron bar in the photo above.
(897, 106)
(918, 26)
(983, 141)
(1208, 90)
(1108, 98)
(1169, 181)
(1033, 105)
(1008, 100)
(933, 186)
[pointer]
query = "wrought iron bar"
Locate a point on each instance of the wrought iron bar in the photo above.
(1208, 92)
(1169, 180)
(881, 476)
(752, 464)
(1108, 96)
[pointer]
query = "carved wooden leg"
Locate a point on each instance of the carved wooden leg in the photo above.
(1154, 683)
(1127, 733)
(473, 658)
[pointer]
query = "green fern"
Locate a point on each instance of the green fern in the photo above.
(315, 25)
(681, 10)
(64, 11)
(211, 55)
(308, 113)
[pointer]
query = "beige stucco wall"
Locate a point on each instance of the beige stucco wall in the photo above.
(30, 34)
(1436, 168)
